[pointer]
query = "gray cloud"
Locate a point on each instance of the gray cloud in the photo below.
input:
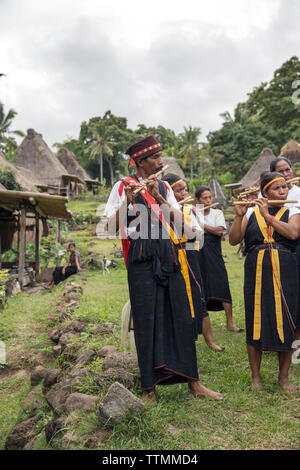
(191, 72)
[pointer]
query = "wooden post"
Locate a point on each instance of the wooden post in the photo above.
(0, 251)
(37, 244)
(68, 189)
(58, 231)
(22, 245)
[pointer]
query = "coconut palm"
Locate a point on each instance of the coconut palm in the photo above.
(7, 142)
(189, 146)
(99, 146)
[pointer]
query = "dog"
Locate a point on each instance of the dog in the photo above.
(106, 263)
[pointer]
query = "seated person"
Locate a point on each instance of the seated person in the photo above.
(72, 267)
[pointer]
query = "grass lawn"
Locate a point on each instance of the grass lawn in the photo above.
(268, 419)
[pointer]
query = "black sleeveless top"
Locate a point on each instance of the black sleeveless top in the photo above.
(151, 242)
(254, 237)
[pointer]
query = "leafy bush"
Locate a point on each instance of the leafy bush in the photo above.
(7, 178)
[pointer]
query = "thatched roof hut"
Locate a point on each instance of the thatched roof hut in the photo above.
(291, 150)
(35, 155)
(173, 166)
(252, 177)
(68, 160)
(24, 178)
(216, 190)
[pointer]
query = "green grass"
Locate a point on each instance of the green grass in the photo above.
(246, 419)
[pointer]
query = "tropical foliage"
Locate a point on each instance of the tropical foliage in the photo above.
(7, 142)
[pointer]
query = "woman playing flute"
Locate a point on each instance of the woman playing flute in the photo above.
(193, 276)
(270, 232)
(213, 270)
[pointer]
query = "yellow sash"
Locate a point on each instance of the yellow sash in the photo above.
(276, 277)
(182, 259)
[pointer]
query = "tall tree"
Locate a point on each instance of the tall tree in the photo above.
(272, 104)
(189, 146)
(7, 142)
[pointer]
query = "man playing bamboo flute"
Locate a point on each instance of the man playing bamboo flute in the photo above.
(162, 321)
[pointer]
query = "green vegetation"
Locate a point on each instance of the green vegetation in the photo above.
(7, 178)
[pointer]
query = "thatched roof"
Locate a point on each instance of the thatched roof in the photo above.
(68, 178)
(216, 190)
(291, 150)
(45, 204)
(35, 155)
(251, 178)
(173, 166)
(68, 160)
(25, 179)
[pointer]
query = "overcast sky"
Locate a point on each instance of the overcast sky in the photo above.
(169, 62)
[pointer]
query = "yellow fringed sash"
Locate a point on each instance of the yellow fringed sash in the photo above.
(276, 277)
(182, 259)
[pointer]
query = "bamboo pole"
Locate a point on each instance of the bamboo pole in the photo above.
(58, 239)
(22, 245)
(37, 244)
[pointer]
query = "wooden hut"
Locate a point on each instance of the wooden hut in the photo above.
(252, 177)
(291, 150)
(173, 166)
(34, 154)
(16, 208)
(69, 161)
(216, 190)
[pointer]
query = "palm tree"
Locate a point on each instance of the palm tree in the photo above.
(190, 146)
(99, 146)
(5, 123)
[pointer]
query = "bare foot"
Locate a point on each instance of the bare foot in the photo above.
(215, 347)
(256, 383)
(149, 396)
(198, 390)
(287, 386)
(235, 329)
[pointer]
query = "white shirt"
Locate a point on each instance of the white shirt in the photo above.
(115, 201)
(215, 218)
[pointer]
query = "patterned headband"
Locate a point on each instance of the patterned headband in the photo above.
(272, 181)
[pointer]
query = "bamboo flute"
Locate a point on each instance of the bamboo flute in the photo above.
(270, 201)
(187, 199)
(209, 207)
(255, 189)
(143, 185)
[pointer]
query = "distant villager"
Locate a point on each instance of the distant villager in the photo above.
(72, 267)
(213, 270)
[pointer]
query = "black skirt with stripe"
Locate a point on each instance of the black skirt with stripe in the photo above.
(163, 325)
(269, 337)
(214, 274)
(261, 280)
